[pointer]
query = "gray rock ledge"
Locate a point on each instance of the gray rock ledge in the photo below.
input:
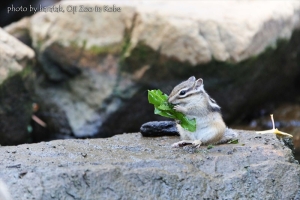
(130, 166)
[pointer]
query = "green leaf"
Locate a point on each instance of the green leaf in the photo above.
(210, 146)
(156, 97)
(188, 124)
(163, 113)
(163, 108)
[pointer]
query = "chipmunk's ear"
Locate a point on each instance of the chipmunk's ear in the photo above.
(198, 84)
(192, 78)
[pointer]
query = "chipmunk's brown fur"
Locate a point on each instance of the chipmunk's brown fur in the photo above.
(190, 98)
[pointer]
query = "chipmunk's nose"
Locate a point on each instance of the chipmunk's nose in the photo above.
(170, 100)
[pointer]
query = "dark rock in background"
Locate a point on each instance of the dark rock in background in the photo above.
(159, 128)
(15, 111)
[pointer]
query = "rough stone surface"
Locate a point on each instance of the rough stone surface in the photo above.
(130, 166)
(16, 61)
(95, 74)
(4, 193)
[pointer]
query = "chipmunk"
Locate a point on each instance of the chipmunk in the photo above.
(190, 98)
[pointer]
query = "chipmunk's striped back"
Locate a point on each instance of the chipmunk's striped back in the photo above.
(213, 106)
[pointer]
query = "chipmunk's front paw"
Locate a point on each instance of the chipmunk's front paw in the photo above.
(180, 108)
(197, 143)
(177, 145)
(181, 143)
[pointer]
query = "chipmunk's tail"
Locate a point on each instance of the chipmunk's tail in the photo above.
(229, 135)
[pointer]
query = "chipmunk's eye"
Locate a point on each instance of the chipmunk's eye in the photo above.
(182, 92)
